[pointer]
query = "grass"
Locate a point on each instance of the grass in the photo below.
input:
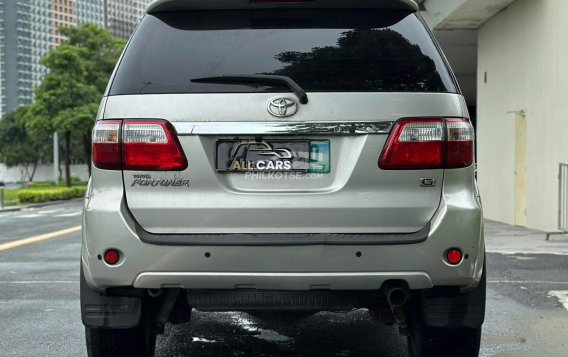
(11, 198)
(11, 195)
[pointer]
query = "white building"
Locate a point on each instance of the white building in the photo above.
(123, 15)
(512, 61)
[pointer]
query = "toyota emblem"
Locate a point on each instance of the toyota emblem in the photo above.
(282, 107)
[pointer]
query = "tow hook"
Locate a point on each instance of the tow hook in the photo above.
(397, 296)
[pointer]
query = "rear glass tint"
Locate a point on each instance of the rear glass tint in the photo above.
(322, 50)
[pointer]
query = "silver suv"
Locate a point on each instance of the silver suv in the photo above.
(285, 156)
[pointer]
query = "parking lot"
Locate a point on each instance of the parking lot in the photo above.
(39, 302)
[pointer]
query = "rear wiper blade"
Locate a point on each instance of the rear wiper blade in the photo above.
(258, 78)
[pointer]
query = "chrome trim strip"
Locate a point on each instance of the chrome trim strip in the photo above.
(286, 239)
(296, 128)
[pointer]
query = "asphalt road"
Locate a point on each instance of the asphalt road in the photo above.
(39, 307)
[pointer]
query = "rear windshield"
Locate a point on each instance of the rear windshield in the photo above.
(322, 50)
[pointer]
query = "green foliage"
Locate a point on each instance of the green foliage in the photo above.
(41, 185)
(38, 123)
(75, 181)
(66, 84)
(19, 146)
(68, 98)
(78, 118)
(10, 197)
(103, 51)
(65, 87)
(47, 195)
(14, 149)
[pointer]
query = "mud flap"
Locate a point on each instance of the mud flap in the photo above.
(448, 308)
(104, 311)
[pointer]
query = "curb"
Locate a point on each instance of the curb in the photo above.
(10, 209)
(39, 205)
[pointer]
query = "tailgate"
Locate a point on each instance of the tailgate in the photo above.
(356, 196)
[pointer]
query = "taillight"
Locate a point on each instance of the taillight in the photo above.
(415, 145)
(429, 144)
(151, 146)
(106, 145)
(460, 148)
(138, 145)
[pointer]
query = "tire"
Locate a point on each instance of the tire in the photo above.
(427, 341)
(437, 342)
(137, 341)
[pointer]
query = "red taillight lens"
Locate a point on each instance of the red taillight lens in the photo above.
(429, 144)
(460, 149)
(106, 145)
(137, 145)
(415, 144)
(151, 146)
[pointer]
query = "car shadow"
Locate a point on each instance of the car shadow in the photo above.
(240, 334)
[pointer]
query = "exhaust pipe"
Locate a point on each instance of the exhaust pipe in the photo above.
(397, 296)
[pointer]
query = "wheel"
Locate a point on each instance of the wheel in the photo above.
(137, 341)
(457, 340)
(438, 342)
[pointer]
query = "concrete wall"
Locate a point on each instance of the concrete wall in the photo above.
(524, 53)
(43, 173)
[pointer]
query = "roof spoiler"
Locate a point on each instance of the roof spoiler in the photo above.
(180, 5)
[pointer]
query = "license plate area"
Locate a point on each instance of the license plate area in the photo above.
(272, 155)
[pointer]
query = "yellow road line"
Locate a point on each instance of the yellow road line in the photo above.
(40, 238)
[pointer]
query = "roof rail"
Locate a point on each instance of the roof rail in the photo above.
(180, 5)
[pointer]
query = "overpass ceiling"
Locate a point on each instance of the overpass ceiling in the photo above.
(464, 14)
(460, 47)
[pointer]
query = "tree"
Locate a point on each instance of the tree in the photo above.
(78, 120)
(18, 148)
(62, 89)
(103, 51)
(67, 100)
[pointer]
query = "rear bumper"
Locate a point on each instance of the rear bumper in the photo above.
(108, 224)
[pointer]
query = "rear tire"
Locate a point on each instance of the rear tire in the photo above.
(437, 342)
(136, 341)
(427, 341)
